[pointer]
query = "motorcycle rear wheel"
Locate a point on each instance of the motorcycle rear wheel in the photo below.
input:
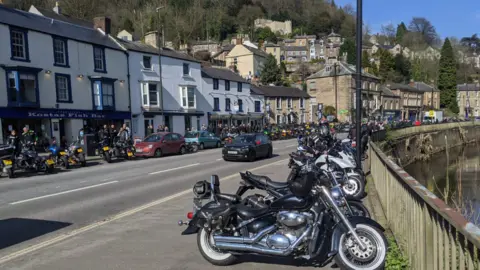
(209, 253)
(66, 165)
(354, 188)
(107, 157)
(10, 173)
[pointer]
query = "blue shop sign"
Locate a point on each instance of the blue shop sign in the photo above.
(54, 113)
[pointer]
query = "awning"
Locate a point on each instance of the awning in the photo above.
(239, 116)
(220, 116)
(256, 116)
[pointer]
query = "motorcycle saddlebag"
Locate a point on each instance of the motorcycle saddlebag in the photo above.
(216, 214)
(6, 151)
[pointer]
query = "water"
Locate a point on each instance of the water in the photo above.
(456, 179)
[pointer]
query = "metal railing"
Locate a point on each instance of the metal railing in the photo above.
(431, 234)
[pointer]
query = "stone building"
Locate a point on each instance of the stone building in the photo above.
(468, 99)
(411, 100)
(431, 97)
(334, 86)
(283, 27)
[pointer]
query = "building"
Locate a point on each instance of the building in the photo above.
(276, 51)
(393, 49)
(212, 47)
(246, 60)
(56, 14)
(59, 76)
(411, 101)
(220, 58)
(335, 86)
(431, 95)
(468, 99)
(390, 109)
(297, 54)
(285, 105)
(283, 28)
(228, 98)
(176, 100)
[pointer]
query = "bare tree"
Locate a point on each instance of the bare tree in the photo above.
(426, 29)
(389, 31)
(367, 32)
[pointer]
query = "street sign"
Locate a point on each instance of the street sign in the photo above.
(431, 113)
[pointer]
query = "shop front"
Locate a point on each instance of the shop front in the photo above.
(256, 120)
(392, 115)
(176, 121)
(49, 123)
(215, 119)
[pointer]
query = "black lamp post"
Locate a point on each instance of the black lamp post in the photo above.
(358, 112)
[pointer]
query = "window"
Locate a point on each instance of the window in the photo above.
(150, 96)
(240, 105)
(279, 103)
(289, 103)
(175, 137)
(99, 59)
(188, 97)
(216, 104)
(279, 119)
(302, 103)
(19, 45)
(258, 106)
(227, 104)
(147, 62)
(22, 88)
(60, 52)
(63, 87)
(239, 87)
(215, 84)
(227, 85)
(186, 69)
(103, 94)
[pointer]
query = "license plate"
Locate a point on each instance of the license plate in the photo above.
(50, 162)
(63, 153)
(7, 162)
(80, 150)
(232, 152)
(129, 154)
(106, 148)
(139, 150)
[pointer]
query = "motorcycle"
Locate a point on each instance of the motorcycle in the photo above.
(29, 160)
(191, 147)
(7, 155)
(59, 156)
(307, 223)
(76, 154)
(104, 150)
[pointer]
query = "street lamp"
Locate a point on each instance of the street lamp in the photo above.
(160, 61)
(359, 83)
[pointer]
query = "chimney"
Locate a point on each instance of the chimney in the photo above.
(103, 23)
(412, 83)
(151, 38)
(239, 41)
(56, 9)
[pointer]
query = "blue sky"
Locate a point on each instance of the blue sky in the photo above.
(457, 18)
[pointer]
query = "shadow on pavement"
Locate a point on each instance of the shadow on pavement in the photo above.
(17, 230)
(287, 261)
(26, 174)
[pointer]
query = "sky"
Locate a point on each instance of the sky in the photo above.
(458, 18)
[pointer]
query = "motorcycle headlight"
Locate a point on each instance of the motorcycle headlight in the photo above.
(336, 193)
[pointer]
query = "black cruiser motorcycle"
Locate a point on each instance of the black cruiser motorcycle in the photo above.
(307, 223)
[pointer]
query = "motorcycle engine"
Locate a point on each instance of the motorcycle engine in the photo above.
(291, 227)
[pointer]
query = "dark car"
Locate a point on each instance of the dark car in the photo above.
(159, 144)
(248, 147)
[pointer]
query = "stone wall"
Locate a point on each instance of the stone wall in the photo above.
(419, 143)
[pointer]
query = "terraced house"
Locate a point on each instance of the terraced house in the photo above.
(59, 76)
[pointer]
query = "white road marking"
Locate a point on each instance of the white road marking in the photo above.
(274, 148)
(63, 192)
(218, 159)
(290, 145)
(76, 232)
(173, 169)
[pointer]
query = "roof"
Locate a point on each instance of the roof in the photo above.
(400, 86)
(226, 48)
(282, 91)
(222, 73)
(386, 47)
(256, 51)
(333, 34)
(425, 87)
(345, 69)
(144, 48)
(468, 87)
(255, 90)
(304, 36)
(296, 48)
(50, 26)
(271, 45)
(387, 92)
(64, 17)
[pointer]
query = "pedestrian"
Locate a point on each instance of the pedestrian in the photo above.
(165, 129)
(160, 128)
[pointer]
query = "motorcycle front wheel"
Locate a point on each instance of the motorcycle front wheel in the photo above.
(107, 157)
(351, 256)
(354, 188)
(209, 253)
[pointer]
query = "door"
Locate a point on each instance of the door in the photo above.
(168, 122)
(205, 139)
(212, 139)
(168, 144)
(147, 123)
(176, 142)
(262, 148)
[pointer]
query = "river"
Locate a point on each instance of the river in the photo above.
(456, 177)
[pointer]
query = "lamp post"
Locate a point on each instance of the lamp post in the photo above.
(358, 112)
(159, 45)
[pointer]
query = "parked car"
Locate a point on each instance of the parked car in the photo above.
(159, 144)
(204, 139)
(248, 147)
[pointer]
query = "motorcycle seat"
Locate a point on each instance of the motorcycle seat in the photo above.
(229, 197)
(246, 212)
(266, 181)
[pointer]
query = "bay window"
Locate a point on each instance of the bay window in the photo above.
(150, 94)
(103, 94)
(187, 94)
(22, 87)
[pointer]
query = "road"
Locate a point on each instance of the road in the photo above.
(38, 208)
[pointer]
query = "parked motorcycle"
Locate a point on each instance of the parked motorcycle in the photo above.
(29, 160)
(7, 155)
(59, 155)
(76, 154)
(191, 147)
(307, 223)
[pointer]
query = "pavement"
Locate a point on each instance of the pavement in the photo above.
(117, 216)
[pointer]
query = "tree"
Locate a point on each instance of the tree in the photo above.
(447, 83)
(387, 64)
(426, 30)
(388, 30)
(271, 72)
(329, 110)
(247, 16)
(348, 47)
(403, 68)
(366, 60)
(401, 31)
(472, 43)
(265, 35)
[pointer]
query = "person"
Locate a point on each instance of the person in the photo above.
(28, 136)
(204, 128)
(124, 133)
(160, 128)
(13, 140)
(165, 129)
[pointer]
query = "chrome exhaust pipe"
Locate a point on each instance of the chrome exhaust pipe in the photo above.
(244, 240)
(263, 250)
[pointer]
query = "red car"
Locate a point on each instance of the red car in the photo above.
(159, 144)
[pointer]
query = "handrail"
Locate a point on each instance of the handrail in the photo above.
(432, 235)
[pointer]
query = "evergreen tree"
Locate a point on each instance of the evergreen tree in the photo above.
(348, 47)
(271, 72)
(403, 68)
(387, 64)
(447, 83)
(366, 60)
(401, 31)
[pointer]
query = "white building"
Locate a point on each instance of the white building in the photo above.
(58, 76)
(228, 98)
(174, 101)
